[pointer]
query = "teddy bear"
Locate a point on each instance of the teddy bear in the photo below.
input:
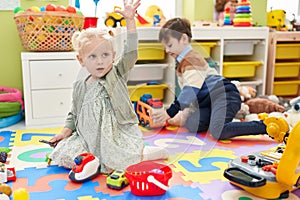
(246, 92)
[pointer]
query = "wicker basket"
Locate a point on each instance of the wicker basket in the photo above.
(48, 31)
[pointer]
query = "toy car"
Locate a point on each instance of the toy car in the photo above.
(117, 180)
(113, 18)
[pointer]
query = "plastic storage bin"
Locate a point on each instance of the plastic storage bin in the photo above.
(151, 51)
(286, 88)
(286, 69)
(240, 69)
(136, 91)
(288, 51)
(204, 48)
(147, 72)
(239, 47)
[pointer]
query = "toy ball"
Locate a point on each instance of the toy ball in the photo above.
(4, 197)
(21, 194)
(35, 9)
(43, 8)
(18, 10)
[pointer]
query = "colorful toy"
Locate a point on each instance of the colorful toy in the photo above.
(148, 178)
(5, 189)
(153, 17)
(273, 173)
(293, 114)
(144, 109)
(227, 20)
(21, 194)
(117, 180)
(276, 19)
(86, 167)
(243, 16)
(113, 18)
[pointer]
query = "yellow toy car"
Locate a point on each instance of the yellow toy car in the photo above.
(117, 180)
(113, 18)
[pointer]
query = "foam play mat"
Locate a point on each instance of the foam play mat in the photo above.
(197, 162)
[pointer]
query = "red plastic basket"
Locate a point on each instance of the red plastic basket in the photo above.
(148, 178)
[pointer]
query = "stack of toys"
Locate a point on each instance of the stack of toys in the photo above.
(11, 106)
(227, 20)
(243, 16)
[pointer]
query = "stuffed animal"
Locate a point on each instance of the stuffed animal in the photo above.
(293, 114)
(246, 92)
(243, 112)
(262, 105)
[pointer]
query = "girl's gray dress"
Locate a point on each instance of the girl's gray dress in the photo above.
(97, 131)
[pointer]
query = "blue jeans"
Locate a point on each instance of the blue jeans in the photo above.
(215, 115)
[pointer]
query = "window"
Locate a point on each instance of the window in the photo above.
(87, 7)
(291, 7)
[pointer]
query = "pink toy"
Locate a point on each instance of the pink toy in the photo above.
(11, 95)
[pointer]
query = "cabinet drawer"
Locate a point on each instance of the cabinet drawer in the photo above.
(51, 74)
(288, 51)
(286, 88)
(287, 69)
(147, 72)
(51, 103)
(151, 51)
(239, 47)
(240, 69)
(204, 48)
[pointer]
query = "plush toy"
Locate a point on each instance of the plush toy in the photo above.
(262, 105)
(246, 92)
(243, 112)
(293, 114)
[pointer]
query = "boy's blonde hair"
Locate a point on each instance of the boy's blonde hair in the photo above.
(80, 39)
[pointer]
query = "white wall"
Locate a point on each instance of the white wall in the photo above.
(289, 6)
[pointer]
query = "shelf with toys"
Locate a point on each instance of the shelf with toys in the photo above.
(240, 53)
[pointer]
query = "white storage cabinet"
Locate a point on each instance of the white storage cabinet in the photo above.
(47, 84)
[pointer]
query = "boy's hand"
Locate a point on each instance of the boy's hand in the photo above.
(160, 116)
(130, 7)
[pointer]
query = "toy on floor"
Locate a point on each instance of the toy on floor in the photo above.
(86, 167)
(293, 114)
(21, 194)
(5, 189)
(144, 109)
(273, 173)
(148, 178)
(117, 180)
(246, 92)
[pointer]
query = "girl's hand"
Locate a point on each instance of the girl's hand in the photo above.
(130, 7)
(66, 132)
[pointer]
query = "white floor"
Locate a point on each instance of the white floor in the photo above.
(17, 126)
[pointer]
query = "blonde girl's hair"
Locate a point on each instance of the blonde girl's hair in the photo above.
(80, 39)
